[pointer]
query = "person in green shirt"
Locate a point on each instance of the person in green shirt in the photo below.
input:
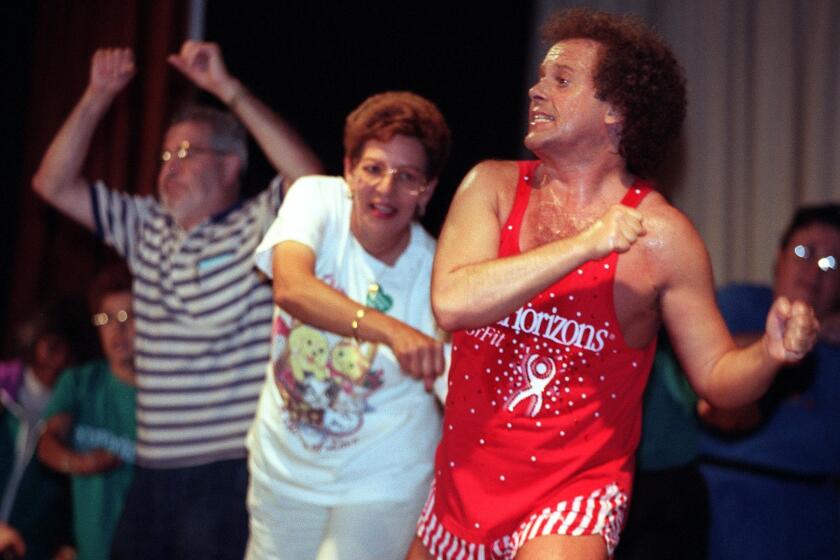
(90, 431)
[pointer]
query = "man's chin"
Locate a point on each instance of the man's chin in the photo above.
(170, 193)
(529, 140)
(172, 206)
(165, 199)
(534, 141)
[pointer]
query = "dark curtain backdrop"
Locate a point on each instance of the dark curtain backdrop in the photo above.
(46, 255)
(312, 62)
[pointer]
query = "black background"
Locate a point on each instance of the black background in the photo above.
(315, 63)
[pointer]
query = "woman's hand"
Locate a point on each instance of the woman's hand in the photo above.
(420, 356)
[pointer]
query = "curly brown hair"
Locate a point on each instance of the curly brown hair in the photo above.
(637, 74)
(382, 116)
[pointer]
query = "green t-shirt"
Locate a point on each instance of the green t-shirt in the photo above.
(669, 426)
(102, 408)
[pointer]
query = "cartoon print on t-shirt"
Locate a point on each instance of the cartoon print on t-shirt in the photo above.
(346, 359)
(325, 389)
(307, 353)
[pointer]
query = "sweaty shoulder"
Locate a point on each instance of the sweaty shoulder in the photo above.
(671, 243)
(493, 181)
(491, 174)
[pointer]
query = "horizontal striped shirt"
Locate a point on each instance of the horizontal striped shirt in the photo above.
(203, 322)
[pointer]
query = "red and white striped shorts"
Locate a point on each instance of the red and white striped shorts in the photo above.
(600, 513)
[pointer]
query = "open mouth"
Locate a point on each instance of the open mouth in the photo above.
(538, 118)
(382, 210)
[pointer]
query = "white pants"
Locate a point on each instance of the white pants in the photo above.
(285, 529)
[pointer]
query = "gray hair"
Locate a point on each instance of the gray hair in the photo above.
(227, 133)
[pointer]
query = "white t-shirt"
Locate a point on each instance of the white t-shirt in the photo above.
(329, 429)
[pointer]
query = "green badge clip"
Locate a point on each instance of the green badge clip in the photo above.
(378, 299)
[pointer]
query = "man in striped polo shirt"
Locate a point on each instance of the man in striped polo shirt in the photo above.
(203, 315)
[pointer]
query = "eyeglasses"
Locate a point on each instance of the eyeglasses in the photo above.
(827, 263)
(101, 319)
(185, 150)
(405, 179)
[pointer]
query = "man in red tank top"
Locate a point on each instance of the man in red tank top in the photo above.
(554, 277)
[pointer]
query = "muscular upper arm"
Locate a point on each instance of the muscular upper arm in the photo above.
(471, 231)
(687, 299)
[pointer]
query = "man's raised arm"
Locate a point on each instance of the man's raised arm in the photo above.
(58, 179)
(203, 64)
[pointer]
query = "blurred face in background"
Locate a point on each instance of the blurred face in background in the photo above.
(115, 322)
(806, 268)
(196, 180)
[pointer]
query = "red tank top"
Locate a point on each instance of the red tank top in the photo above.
(544, 405)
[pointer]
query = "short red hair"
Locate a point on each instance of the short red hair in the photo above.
(383, 116)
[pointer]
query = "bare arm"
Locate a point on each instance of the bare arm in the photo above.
(202, 63)
(472, 286)
(739, 419)
(54, 452)
(58, 179)
(300, 293)
(721, 373)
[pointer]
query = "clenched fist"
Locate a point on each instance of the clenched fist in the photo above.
(203, 64)
(792, 330)
(617, 230)
(110, 70)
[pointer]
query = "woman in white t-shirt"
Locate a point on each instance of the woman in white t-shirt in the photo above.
(341, 450)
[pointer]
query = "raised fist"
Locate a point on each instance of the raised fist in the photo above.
(110, 70)
(203, 64)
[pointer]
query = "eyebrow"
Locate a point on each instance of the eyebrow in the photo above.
(555, 65)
